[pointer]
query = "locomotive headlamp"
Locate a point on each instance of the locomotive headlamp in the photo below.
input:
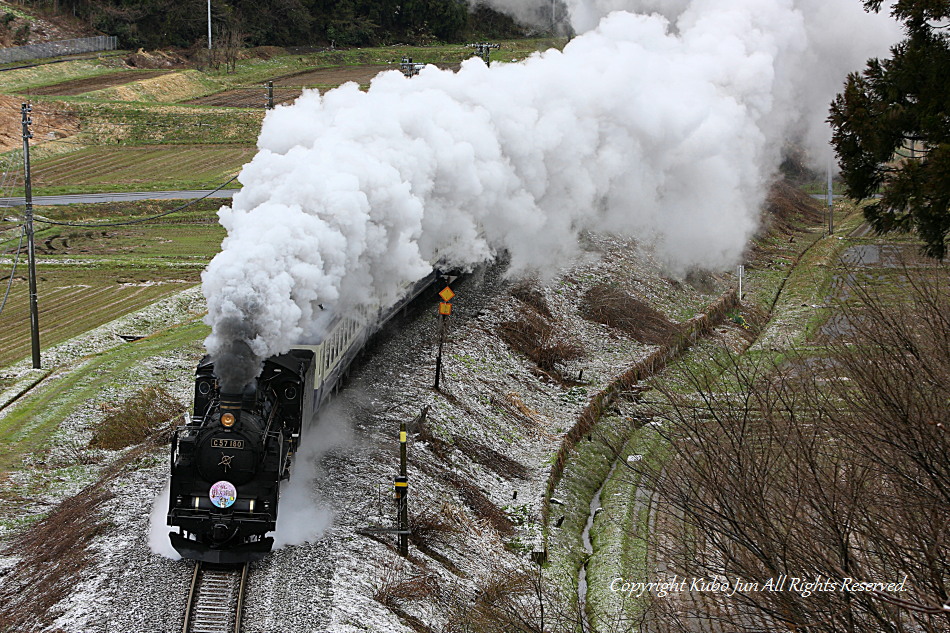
(227, 420)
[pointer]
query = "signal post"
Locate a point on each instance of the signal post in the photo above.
(445, 311)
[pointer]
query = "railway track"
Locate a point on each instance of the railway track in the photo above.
(216, 600)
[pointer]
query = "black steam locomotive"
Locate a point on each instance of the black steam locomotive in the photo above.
(228, 461)
(229, 458)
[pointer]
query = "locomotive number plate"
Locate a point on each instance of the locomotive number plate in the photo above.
(219, 443)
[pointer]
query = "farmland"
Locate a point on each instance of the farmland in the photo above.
(123, 128)
(90, 84)
(87, 276)
(140, 168)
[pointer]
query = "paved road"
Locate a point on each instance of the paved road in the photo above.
(85, 198)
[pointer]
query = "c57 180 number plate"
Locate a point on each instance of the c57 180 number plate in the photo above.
(220, 443)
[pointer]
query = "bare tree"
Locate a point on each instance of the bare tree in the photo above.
(824, 468)
(231, 43)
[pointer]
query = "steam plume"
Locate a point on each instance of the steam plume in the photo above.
(665, 126)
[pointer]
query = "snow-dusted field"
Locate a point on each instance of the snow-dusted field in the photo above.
(495, 410)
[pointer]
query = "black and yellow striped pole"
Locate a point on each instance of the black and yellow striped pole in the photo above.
(402, 494)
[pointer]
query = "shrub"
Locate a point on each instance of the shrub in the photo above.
(617, 309)
(535, 337)
(136, 419)
(398, 584)
(432, 526)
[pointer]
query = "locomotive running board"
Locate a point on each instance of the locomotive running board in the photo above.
(232, 556)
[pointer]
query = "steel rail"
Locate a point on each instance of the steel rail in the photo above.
(215, 600)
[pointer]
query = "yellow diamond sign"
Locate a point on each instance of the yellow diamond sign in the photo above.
(446, 294)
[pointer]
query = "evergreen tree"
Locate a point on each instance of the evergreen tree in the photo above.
(892, 128)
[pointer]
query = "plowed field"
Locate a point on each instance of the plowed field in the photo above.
(80, 86)
(72, 300)
(247, 98)
(288, 88)
(158, 166)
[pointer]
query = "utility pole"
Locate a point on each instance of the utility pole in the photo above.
(209, 25)
(410, 68)
(483, 50)
(25, 110)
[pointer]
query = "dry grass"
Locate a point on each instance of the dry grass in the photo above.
(513, 601)
(492, 459)
(531, 421)
(474, 450)
(53, 555)
(479, 502)
(536, 337)
(398, 585)
(432, 527)
(527, 292)
(786, 207)
(534, 332)
(471, 495)
(136, 419)
(616, 308)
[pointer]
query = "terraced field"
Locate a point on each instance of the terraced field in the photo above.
(152, 167)
(88, 276)
(247, 98)
(289, 87)
(75, 299)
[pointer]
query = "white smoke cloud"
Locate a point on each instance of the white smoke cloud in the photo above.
(667, 127)
(158, 529)
(302, 516)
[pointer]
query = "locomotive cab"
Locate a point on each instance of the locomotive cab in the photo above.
(228, 461)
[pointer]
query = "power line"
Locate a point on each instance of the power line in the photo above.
(40, 218)
(13, 272)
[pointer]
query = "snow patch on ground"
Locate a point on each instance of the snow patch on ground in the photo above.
(327, 576)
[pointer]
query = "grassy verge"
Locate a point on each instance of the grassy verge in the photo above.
(620, 533)
(29, 428)
(90, 276)
(586, 472)
(785, 274)
(21, 80)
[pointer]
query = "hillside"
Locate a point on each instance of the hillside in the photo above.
(21, 24)
(154, 24)
(480, 464)
(610, 418)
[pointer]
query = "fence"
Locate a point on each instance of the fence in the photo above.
(55, 49)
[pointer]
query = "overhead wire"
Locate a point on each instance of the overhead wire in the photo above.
(39, 218)
(13, 272)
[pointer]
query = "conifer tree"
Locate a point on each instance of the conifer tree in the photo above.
(892, 128)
